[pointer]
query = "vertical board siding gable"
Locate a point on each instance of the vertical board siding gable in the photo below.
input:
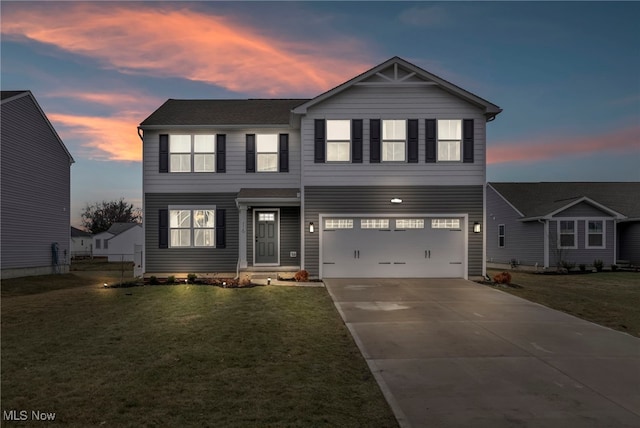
(319, 141)
(251, 153)
(164, 153)
(374, 141)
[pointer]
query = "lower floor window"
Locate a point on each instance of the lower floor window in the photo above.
(567, 235)
(595, 234)
(192, 227)
(501, 235)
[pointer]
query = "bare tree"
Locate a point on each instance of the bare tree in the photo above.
(99, 216)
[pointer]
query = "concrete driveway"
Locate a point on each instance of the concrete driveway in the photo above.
(453, 353)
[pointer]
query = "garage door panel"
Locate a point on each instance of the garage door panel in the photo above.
(416, 252)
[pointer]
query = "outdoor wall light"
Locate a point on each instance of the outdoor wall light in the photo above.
(477, 227)
(311, 228)
(396, 201)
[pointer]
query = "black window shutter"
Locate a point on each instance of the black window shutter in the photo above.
(163, 228)
(319, 141)
(221, 228)
(374, 141)
(467, 140)
(164, 153)
(431, 137)
(221, 153)
(356, 141)
(251, 153)
(412, 140)
(283, 153)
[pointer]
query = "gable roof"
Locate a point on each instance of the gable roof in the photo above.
(247, 112)
(118, 228)
(75, 232)
(9, 96)
(490, 110)
(536, 200)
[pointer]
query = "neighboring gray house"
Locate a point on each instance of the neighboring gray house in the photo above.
(81, 243)
(543, 224)
(35, 205)
(382, 176)
(118, 242)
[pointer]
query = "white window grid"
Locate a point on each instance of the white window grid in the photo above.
(188, 152)
(338, 140)
(394, 140)
(445, 223)
(267, 153)
(410, 223)
(338, 223)
(567, 234)
(595, 234)
(191, 227)
(449, 140)
(374, 223)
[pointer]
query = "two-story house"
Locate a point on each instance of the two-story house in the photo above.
(382, 176)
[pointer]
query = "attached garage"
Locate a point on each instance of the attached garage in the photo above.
(407, 246)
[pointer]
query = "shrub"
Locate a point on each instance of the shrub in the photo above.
(502, 278)
(614, 268)
(582, 267)
(245, 282)
(598, 264)
(171, 279)
(568, 265)
(153, 280)
(301, 276)
(191, 278)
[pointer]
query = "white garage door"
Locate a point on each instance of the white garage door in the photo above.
(386, 247)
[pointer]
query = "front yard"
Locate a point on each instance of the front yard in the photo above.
(183, 356)
(606, 298)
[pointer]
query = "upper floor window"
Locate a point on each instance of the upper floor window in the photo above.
(394, 140)
(595, 234)
(338, 140)
(189, 153)
(267, 152)
(567, 234)
(192, 227)
(449, 140)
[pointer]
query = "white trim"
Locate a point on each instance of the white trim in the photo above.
(255, 210)
(546, 243)
(589, 201)
(242, 236)
(575, 234)
(191, 228)
(464, 226)
(586, 234)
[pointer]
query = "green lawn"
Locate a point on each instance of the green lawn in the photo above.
(184, 356)
(606, 298)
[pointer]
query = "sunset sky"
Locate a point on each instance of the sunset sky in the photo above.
(567, 74)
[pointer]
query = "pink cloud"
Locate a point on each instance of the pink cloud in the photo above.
(623, 141)
(168, 42)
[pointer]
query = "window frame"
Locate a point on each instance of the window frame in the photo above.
(371, 223)
(587, 234)
(332, 142)
(385, 141)
(270, 153)
(448, 141)
(192, 153)
(342, 224)
(411, 223)
(192, 225)
(575, 235)
(446, 223)
(501, 235)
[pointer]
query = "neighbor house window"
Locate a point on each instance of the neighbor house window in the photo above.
(338, 223)
(374, 223)
(410, 223)
(267, 152)
(595, 234)
(501, 235)
(449, 140)
(567, 234)
(394, 140)
(106, 244)
(338, 140)
(445, 223)
(189, 153)
(192, 227)
(98, 244)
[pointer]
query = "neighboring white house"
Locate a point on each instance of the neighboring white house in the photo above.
(118, 242)
(81, 243)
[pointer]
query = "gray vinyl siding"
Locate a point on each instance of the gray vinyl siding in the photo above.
(376, 199)
(412, 102)
(629, 242)
(36, 171)
(190, 260)
(581, 254)
(524, 241)
(583, 209)
(289, 236)
(235, 176)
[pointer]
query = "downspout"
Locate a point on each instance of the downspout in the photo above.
(545, 223)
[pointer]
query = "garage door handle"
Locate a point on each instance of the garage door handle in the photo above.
(427, 254)
(356, 254)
